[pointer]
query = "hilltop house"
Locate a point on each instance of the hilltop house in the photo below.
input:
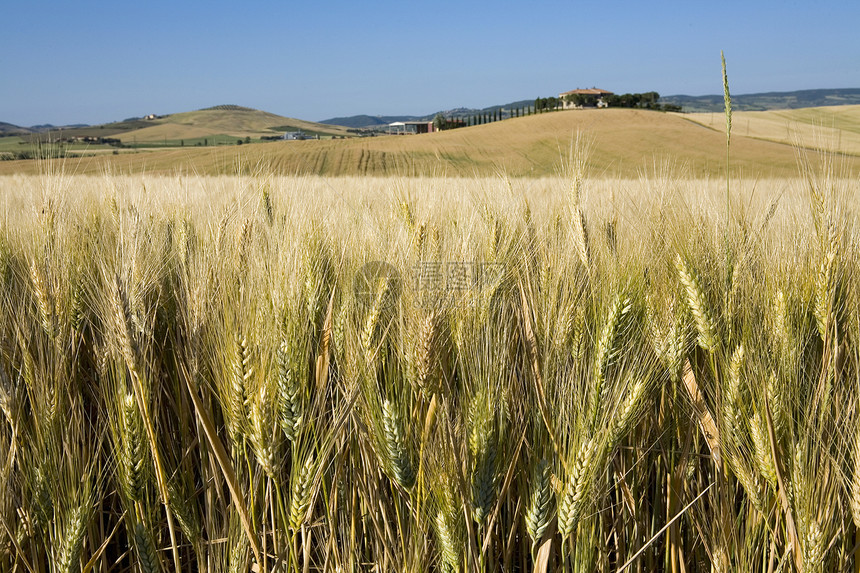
(406, 127)
(580, 98)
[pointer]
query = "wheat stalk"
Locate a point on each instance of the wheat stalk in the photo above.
(483, 449)
(43, 300)
(368, 335)
(761, 450)
(628, 411)
(239, 387)
(146, 553)
(396, 447)
(813, 549)
(261, 433)
(707, 336)
(580, 237)
(427, 355)
(450, 543)
(577, 488)
(300, 500)
(289, 395)
(608, 347)
(825, 289)
(539, 509)
(74, 529)
(133, 456)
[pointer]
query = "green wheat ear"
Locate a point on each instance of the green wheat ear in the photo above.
(539, 512)
(396, 447)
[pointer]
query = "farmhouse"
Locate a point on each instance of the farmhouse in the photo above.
(580, 98)
(402, 127)
(295, 135)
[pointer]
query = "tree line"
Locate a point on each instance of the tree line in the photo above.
(441, 122)
(646, 100)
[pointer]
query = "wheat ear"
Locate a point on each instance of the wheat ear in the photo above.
(300, 500)
(69, 557)
(539, 511)
(698, 304)
(289, 396)
(427, 355)
(450, 544)
(580, 236)
(134, 454)
(146, 554)
(577, 489)
(396, 447)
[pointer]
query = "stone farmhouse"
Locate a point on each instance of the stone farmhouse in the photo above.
(593, 94)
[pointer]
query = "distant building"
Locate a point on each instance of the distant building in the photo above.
(404, 127)
(589, 95)
(295, 135)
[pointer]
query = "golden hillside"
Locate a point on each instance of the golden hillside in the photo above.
(625, 142)
(236, 121)
(833, 128)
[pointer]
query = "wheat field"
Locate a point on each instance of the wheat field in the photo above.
(627, 143)
(569, 373)
(835, 129)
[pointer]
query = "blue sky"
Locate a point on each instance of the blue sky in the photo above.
(93, 62)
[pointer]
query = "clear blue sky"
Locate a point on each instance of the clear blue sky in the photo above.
(93, 62)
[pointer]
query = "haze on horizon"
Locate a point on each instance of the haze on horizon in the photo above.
(95, 62)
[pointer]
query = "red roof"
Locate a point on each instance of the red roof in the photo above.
(589, 91)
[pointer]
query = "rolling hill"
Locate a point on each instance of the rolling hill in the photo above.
(228, 121)
(10, 129)
(832, 128)
(691, 104)
(626, 142)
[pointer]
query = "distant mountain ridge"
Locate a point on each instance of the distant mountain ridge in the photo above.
(707, 103)
(11, 129)
(371, 121)
(766, 101)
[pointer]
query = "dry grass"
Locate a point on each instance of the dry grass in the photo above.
(193, 377)
(624, 141)
(208, 122)
(835, 129)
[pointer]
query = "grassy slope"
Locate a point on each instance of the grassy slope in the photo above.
(835, 128)
(625, 142)
(239, 122)
(170, 131)
(201, 123)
